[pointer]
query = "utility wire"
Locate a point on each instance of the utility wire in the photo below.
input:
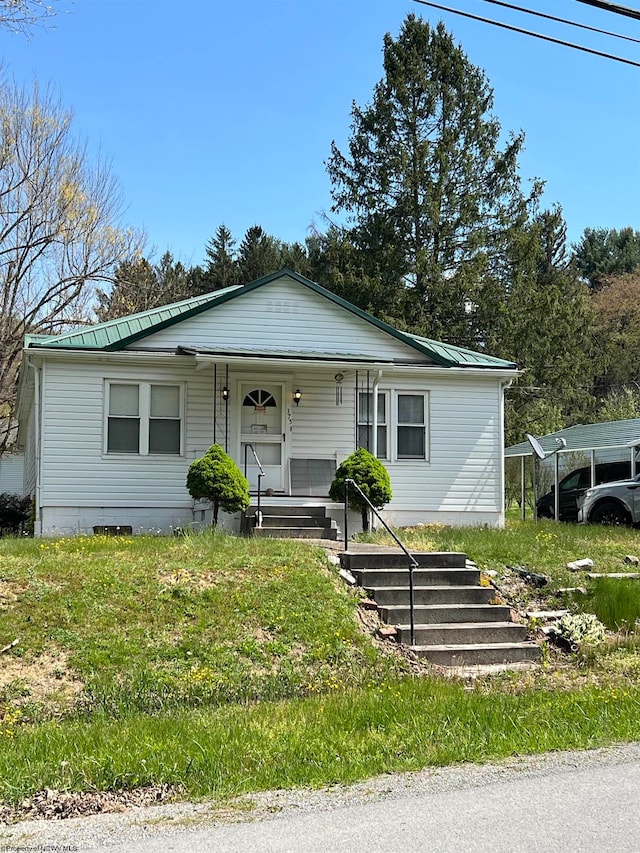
(561, 20)
(530, 32)
(616, 8)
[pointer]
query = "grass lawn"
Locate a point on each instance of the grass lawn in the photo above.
(223, 665)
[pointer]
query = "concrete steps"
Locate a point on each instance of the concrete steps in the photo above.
(444, 614)
(386, 596)
(290, 522)
(455, 623)
(486, 654)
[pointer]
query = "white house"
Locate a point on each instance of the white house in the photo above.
(112, 415)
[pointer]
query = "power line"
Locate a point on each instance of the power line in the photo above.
(529, 32)
(561, 20)
(616, 8)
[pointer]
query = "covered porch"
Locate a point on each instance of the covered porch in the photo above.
(288, 421)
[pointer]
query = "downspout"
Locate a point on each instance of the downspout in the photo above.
(374, 425)
(37, 522)
(504, 384)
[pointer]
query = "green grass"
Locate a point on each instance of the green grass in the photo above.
(403, 725)
(224, 665)
(149, 623)
(615, 601)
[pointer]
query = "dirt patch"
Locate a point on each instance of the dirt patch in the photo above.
(58, 805)
(41, 678)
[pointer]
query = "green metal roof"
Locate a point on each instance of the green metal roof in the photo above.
(461, 356)
(608, 435)
(117, 334)
(112, 334)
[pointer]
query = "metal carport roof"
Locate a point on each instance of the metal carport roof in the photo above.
(603, 436)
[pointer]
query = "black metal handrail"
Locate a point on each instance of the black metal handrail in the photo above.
(260, 476)
(413, 563)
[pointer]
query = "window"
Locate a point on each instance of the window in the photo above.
(411, 423)
(144, 418)
(365, 423)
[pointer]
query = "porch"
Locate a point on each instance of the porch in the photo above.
(289, 425)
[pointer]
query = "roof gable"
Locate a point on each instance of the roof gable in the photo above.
(119, 334)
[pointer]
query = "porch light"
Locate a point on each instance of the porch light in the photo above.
(225, 393)
(297, 396)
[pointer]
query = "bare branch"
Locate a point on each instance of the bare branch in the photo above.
(60, 230)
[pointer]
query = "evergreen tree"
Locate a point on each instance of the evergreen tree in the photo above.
(258, 255)
(134, 289)
(546, 326)
(370, 476)
(221, 270)
(217, 478)
(140, 286)
(173, 280)
(603, 252)
(428, 192)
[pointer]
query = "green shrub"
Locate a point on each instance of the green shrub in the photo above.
(370, 475)
(216, 477)
(14, 513)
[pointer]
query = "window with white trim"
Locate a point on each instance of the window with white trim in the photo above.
(365, 423)
(411, 426)
(144, 418)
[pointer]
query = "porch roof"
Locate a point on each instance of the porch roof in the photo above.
(284, 354)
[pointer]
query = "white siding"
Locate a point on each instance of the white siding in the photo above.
(288, 315)
(321, 429)
(82, 486)
(30, 455)
(463, 471)
(76, 471)
(12, 473)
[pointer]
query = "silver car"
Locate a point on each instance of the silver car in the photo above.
(611, 503)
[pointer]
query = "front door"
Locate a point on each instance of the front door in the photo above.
(262, 427)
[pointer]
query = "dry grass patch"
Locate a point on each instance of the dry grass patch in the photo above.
(43, 679)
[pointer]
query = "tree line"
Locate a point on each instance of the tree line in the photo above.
(431, 229)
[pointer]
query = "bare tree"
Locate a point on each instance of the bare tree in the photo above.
(59, 227)
(19, 16)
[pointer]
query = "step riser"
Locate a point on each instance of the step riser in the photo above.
(295, 521)
(433, 595)
(477, 656)
(374, 578)
(444, 635)
(316, 511)
(436, 615)
(294, 533)
(444, 559)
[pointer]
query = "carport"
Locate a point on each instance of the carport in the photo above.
(590, 439)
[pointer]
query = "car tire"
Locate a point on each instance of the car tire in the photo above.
(610, 512)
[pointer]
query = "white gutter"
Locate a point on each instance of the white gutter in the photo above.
(204, 360)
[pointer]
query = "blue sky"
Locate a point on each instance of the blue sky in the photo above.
(218, 111)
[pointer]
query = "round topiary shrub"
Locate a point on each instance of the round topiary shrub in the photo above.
(368, 472)
(217, 478)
